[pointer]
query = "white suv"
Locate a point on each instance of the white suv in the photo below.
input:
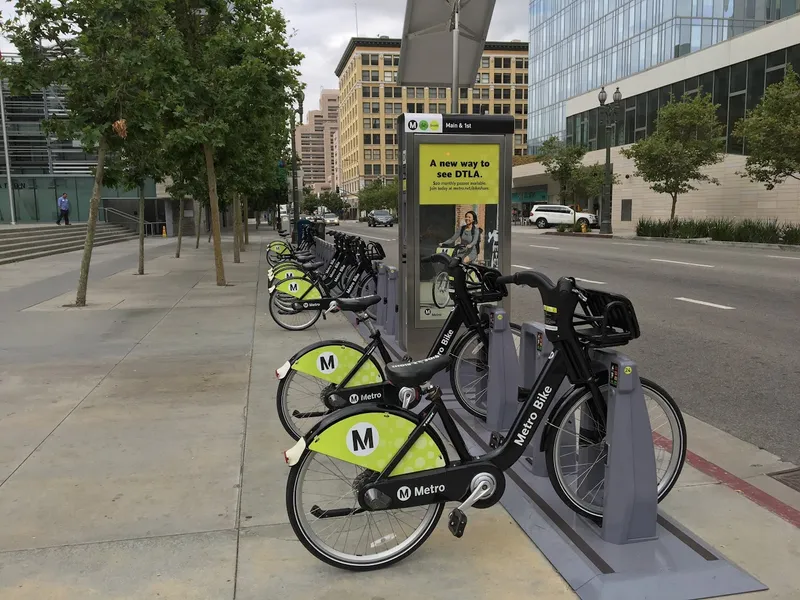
(545, 215)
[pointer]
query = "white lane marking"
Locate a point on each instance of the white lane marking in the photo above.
(577, 278)
(678, 262)
(545, 247)
(711, 304)
(369, 237)
(631, 244)
(786, 257)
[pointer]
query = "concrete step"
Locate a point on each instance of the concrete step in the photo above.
(60, 248)
(54, 244)
(44, 240)
(31, 233)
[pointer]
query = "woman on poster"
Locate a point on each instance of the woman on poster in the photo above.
(469, 237)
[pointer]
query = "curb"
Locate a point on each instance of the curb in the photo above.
(710, 242)
(603, 236)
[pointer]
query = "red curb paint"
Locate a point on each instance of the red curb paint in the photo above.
(728, 479)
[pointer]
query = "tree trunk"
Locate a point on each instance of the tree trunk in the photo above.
(141, 228)
(258, 219)
(94, 208)
(674, 202)
(198, 211)
(214, 201)
(237, 228)
(246, 224)
(180, 229)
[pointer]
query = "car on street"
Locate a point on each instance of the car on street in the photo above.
(330, 219)
(380, 217)
(547, 215)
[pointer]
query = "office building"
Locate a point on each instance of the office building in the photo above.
(578, 45)
(314, 141)
(42, 167)
(371, 101)
(735, 73)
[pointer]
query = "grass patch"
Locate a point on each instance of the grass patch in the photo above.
(757, 231)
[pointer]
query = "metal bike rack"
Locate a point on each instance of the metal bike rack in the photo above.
(382, 292)
(391, 302)
(636, 551)
(502, 359)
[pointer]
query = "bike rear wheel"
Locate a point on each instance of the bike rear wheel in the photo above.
(356, 540)
(290, 318)
(576, 449)
(441, 290)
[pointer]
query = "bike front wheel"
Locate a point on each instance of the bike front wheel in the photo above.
(576, 449)
(469, 376)
(441, 290)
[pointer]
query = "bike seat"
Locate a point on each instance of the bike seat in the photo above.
(358, 304)
(305, 258)
(284, 234)
(314, 265)
(416, 373)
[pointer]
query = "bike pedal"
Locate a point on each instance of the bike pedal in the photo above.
(457, 522)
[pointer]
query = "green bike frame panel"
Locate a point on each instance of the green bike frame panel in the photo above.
(280, 248)
(288, 273)
(333, 363)
(371, 439)
(297, 287)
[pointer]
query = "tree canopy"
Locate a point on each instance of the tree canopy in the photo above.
(771, 133)
(561, 161)
(378, 194)
(688, 138)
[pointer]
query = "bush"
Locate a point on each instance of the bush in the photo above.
(576, 228)
(723, 229)
(791, 234)
(561, 228)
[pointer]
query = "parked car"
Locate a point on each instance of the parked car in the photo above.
(380, 217)
(546, 215)
(331, 219)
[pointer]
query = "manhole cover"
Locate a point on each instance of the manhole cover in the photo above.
(790, 478)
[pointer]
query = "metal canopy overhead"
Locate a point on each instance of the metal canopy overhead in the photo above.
(443, 42)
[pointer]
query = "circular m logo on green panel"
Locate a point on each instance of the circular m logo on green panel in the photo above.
(423, 125)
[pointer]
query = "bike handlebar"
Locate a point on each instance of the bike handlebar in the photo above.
(533, 279)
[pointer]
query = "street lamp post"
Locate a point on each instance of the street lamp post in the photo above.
(295, 194)
(610, 111)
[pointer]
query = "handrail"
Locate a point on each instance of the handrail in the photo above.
(150, 226)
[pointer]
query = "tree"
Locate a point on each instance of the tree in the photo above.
(561, 161)
(309, 202)
(588, 180)
(240, 64)
(332, 201)
(771, 132)
(378, 194)
(110, 56)
(687, 139)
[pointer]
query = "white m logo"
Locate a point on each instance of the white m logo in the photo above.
(404, 493)
(293, 287)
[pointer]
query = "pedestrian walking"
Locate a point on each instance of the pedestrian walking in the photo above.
(63, 209)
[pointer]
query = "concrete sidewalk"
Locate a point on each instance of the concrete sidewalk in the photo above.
(140, 453)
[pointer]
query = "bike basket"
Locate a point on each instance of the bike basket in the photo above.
(375, 251)
(608, 319)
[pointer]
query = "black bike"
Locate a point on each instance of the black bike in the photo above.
(368, 484)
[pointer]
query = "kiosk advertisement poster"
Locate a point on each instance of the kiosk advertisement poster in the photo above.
(459, 192)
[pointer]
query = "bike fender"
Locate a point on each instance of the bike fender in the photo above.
(296, 288)
(332, 362)
(293, 273)
(278, 246)
(370, 437)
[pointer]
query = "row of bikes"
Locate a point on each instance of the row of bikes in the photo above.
(371, 470)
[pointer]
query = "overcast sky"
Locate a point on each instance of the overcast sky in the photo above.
(322, 29)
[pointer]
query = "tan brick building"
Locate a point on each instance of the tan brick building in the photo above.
(371, 101)
(315, 141)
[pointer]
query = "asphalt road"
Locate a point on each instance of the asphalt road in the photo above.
(720, 325)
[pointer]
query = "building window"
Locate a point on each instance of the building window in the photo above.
(390, 169)
(376, 169)
(462, 109)
(485, 94)
(518, 139)
(498, 62)
(442, 107)
(387, 76)
(496, 109)
(365, 91)
(367, 123)
(498, 78)
(365, 107)
(367, 169)
(463, 93)
(433, 94)
(388, 124)
(373, 60)
(375, 75)
(506, 77)
(432, 108)
(376, 154)
(476, 93)
(410, 93)
(364, 75)
(376, 123)
(519, 63)
(498, 94)
(398, 92)
(365, 59)
(627, 209)
(484, 62)
(507, 62)
(506, 109)
(376, 92)
(376, 108)
(367, 139)
(518, 94)
(367, 154)
(376, 139)
(387, 60)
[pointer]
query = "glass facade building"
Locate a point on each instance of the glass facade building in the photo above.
(42, 167)
(735, 88)
(579, 45)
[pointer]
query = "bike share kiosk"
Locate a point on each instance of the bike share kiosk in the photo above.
(455, 184)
